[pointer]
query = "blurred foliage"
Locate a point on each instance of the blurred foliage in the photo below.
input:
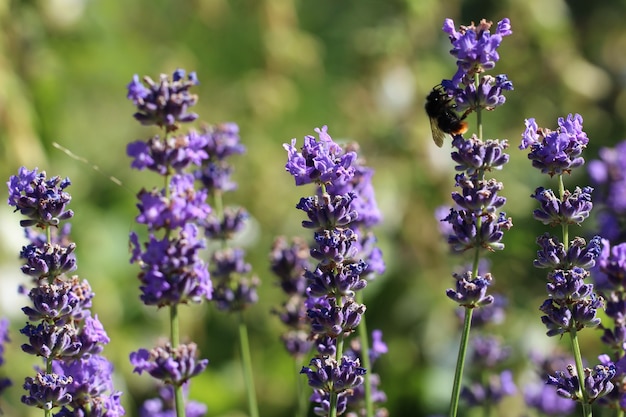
(280, 68)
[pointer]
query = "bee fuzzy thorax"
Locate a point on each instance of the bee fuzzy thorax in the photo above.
(444, 120)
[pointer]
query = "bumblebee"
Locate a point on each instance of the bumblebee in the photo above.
(440, 109)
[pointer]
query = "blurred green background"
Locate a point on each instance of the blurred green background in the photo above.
(280, 68)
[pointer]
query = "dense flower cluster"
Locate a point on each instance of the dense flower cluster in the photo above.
(62, 330)
(572, 304)
(339, 214)
(172, 271)
(476, 51)
(165, 103)
(476, 222)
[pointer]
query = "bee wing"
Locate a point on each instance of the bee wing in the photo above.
(438, 134)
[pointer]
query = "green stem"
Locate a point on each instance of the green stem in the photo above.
(460, 362)
(580, 372)
(247, 367)
(365, 357)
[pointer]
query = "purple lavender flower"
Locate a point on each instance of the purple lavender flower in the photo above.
(556, 152)
(51, 342)
(91, 387)
(320, 161)
(52, 302)
(172, 153)
(471, 293)
(332, 377)
(48, 261)
(183, 206)
(171, 269)
(336, 320)
(328, 212)
(488, 95)
(47, 391)
(475, 47)
(165, 103)
(342, 207)
(343, 280)
(474, 155)
(41, 200)
(173, 366)
(553, 255)
(478, 196)
(597, 382)
(573, 208)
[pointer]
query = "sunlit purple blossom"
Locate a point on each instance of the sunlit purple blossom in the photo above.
(465, 236)
(343, 280)
(474, 47)
(478, 195)
(573, 208)
(164, 103)
(488, 95)
(48, 261)
(47, 391)
(184, 205)
(552, 253)
(43, 201)
(473, 154)
(335, 320)
(596, 382)
(470, 292)
(168, 155)
(173, 366)
(331, 376)
(321, 161)
(328, 212)
(559, 151)
(172, 271)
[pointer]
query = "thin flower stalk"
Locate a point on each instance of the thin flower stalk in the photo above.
(76, 379)
(476, 222)
(572, 304)
(172, 272)
(343, 198)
